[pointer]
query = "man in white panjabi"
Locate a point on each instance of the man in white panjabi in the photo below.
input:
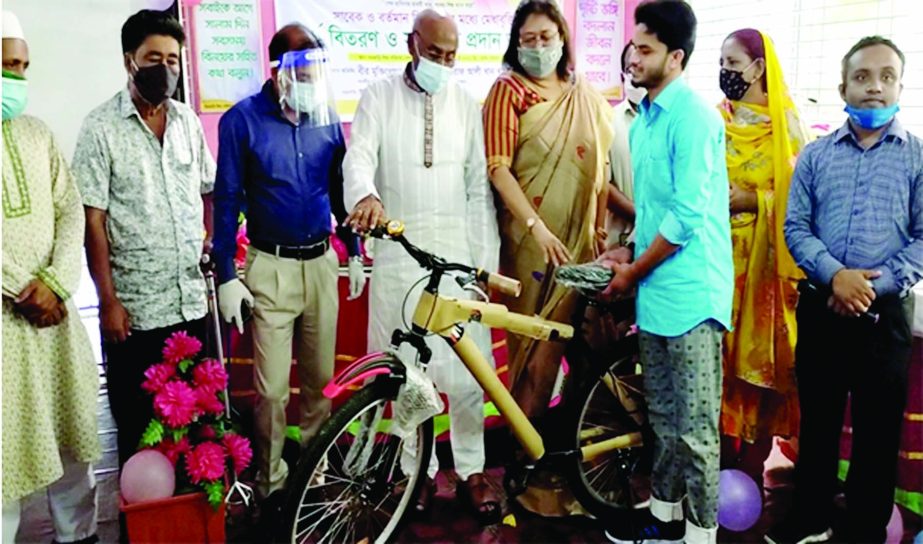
(417, 153)
(50, 380)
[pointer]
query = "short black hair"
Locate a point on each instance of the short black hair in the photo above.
(283, 41)
(869, 41)
(150, 22)
(549, 9)
(625, 51)
(672, 21)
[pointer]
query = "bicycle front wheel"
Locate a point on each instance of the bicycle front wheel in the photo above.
(356, 480)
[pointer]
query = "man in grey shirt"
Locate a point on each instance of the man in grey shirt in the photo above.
(855, 226)
(144, 169)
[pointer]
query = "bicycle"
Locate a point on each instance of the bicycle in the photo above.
(350, 484)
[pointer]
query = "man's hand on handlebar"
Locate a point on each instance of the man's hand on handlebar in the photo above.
(368, 214)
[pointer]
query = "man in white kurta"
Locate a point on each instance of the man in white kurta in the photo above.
(417, 149)
(50, 380)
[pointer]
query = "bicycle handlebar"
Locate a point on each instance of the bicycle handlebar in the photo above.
(394, 230)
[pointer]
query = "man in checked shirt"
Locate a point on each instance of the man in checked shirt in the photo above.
(855, 225)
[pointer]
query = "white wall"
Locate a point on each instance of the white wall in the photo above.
(76, 58)
(811, 37)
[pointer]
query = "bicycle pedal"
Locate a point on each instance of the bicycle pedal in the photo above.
(516, 479)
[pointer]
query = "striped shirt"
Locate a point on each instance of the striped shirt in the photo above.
(509, 98)
(851, 207)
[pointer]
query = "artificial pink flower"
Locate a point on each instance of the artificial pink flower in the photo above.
(205, 462)
(175, 404)
(240, 257)
(210, 375)
(180, 346)
(174, 449)
(239, 450)
(207, 401)
(157, 375)
(207, 433)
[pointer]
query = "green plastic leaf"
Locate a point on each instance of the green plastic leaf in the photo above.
(178, 434)
(184, 365)
(153, 435)
(215, 492)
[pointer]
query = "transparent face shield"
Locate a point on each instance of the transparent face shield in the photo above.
(304, 86)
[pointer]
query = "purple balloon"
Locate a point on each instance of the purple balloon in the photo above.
(739, 501)
(147, 476)
(895, 529)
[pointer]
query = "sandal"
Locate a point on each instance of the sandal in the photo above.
(481, 497)
(425, 498)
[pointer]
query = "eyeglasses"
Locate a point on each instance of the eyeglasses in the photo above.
(447, 58)
(532, 40)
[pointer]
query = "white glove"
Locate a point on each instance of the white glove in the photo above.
(356, 278)
(231, 296)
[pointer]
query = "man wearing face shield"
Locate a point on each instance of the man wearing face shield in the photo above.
(280, 157)
(417, 153)
(145, 175)
(50, 381)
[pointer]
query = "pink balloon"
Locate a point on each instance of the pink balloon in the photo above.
(895, 527)
(147, 476)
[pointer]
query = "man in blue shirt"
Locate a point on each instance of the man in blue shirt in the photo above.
(280, 159)
(684, 273)
(855, 226)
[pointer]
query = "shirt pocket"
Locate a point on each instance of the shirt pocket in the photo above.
(180, 149)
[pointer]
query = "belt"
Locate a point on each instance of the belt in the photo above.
(301, 253)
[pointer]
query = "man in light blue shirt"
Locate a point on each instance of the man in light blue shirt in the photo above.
(684, 274)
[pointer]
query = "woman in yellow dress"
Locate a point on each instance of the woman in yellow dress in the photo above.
(764, 136)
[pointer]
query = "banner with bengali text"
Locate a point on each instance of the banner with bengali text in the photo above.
(228, 52)
(367, 39)
(599, 38)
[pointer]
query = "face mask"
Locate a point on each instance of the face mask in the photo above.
(155, 83)
(634, 94)
(303, 96)
(733, 84)
(541, 61)
(15, 95)
(867, 118)
(431, 76)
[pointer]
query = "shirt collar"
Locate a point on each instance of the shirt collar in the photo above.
(127, 106)
(895, 130)
(409, 80)
(666, 98)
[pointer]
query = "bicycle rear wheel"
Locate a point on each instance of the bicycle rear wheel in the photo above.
(350, 485)
(611, 408)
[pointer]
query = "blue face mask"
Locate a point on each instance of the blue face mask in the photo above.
(431, 76)
(871, 118)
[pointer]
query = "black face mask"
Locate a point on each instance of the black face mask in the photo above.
(155, 83)
(733, 84)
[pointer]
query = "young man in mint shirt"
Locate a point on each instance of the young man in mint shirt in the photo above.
(684, 275)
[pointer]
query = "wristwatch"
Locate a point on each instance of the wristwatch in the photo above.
(530, 222)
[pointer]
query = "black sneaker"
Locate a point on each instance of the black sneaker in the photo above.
(641, 526)
(792, 532)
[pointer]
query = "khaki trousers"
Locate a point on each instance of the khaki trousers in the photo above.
(293, 300)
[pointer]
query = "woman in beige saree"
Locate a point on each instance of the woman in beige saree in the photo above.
(547, 134)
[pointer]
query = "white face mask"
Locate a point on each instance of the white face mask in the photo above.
(304, 96)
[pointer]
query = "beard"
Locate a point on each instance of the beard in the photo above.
(652, 76)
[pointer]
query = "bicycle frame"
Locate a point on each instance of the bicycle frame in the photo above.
(445, 316)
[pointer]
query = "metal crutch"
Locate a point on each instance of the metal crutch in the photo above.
(239, 492)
